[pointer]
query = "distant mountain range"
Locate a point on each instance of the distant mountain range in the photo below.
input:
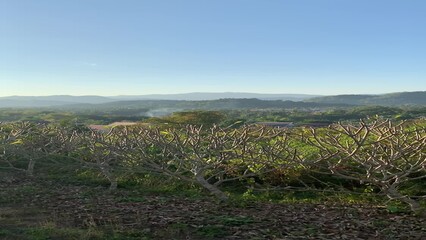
(50, 101)
(60, 100)
(391, 99)
(200, 96)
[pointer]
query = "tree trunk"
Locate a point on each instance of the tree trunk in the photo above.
(30, 167)
(415, 206)
(213, 189)
(113, 181)
(113, 185)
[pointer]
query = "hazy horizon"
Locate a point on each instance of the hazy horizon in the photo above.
(184, 93)
(111, 48)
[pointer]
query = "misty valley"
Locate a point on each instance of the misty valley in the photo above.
(211, 169)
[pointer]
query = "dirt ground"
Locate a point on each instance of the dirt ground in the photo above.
(29, 206)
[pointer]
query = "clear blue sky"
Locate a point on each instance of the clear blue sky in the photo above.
(113, 47)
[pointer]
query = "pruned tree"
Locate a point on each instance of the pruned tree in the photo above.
(104, 151)
(11, 135)
(379, 152)
(211, 156)
(24, 141)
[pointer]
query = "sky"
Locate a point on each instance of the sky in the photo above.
(136, 47)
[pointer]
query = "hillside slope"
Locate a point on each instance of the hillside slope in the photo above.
(390, 99)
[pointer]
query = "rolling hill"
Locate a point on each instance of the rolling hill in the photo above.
(62, 100)
(200, 96)
(217, 100)
(390, 99)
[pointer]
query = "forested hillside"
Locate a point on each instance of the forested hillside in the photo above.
(391, 99)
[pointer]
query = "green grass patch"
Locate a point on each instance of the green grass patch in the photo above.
(159, 185)
(212, 231)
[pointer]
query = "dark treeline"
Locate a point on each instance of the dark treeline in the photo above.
(391, 99)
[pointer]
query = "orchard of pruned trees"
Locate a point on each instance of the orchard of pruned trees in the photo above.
(376, 155)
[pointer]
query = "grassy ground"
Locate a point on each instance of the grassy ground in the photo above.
(81, 207)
